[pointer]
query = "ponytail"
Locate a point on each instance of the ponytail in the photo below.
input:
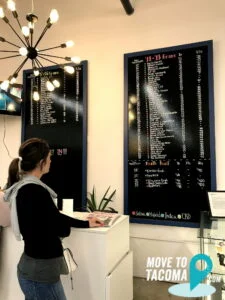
(13, 172)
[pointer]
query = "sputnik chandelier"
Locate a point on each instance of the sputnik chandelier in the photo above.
(29, 51)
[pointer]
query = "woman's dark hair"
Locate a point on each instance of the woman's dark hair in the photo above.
(31, 152)
(13, 174)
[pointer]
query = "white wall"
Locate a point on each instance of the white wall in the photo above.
(10, 138)
(103, 33)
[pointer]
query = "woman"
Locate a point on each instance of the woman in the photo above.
(35, 217)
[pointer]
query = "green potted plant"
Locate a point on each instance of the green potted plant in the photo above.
(93, 204)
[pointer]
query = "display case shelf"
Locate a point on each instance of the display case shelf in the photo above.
(212, 243)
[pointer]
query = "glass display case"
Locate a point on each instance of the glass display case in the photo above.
(212, 243)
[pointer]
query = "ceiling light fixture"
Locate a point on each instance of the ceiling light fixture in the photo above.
(29, 51)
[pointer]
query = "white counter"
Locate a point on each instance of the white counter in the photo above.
(104, 263)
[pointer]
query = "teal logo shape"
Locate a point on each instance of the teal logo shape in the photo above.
(195, 288)
(196, 276)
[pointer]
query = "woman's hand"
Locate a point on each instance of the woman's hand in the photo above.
(94, 222)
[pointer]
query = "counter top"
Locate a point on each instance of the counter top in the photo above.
(83, 216)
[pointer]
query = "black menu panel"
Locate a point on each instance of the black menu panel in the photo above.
(169, 150)
(60, 117)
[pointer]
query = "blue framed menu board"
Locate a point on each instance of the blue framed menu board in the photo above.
(60, 117)
(169, 147)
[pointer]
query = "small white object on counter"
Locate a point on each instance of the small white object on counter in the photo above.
(67, 207)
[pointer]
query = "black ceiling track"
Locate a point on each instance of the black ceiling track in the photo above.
(127, 6)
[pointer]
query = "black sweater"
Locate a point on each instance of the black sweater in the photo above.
(41, 224)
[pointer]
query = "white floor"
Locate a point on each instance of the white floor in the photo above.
(154, 290)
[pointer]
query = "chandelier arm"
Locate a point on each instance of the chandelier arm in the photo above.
(20, 26)
(17, 19)
(42, 50)
(9, 56)
(16, 34)
(36, 61)
(3, 40)
(25, 37)
(31, 37)
(27, 40)
(35, 64)
(51, 61)
(40, 66)
(41, 36)
(12, 44)
(42, 54)
(9, 51)
(20, 66)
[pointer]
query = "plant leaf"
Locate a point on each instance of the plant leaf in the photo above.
(90, 205)
(106, 193)
(106, 203)
(111, 196)
(103, 199)
(112, 209)
(93, 198)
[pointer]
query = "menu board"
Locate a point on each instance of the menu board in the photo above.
(60, 118)
(169, 159)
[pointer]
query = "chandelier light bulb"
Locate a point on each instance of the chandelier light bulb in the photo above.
(56, 83)
(54, 16)
(13, 80)
(50, 86)
(31, 25)
(23, 51)
(36, 96)
(5, 85)
(11, 5)
(131, 116)
(36, 72)
(26, 31)
(11, 107)
(1, 13)
(69, 69)
(76, 59)
(69, 44)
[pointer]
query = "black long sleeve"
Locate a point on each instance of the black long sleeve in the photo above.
(75, 222)
(41, 224)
